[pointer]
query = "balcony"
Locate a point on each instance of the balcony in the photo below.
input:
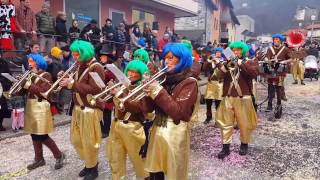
(180, 8)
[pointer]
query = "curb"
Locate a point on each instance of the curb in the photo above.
(19, 134)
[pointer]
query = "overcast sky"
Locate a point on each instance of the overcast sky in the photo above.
(271, 16)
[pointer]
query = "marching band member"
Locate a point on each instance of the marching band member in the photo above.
(143, 55)
(85, 132)
(175, 99)
(276, 85)
(236, 104)
(297, 55)
(106, 57)
(214, 87)
(38, 117)
(127, 134)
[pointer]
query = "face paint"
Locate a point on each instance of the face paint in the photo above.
(104, 59)
(76, 56)
(218, 54)
(276, 41)
(133, 75)
(237, 52)
(171, 61)
(32, 63)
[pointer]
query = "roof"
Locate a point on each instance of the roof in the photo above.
(249, 33)
(179, 8)
(315, 26)
(227, 3)
(212, 4)
(234, 18)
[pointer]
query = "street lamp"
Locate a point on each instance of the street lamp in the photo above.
(313, 18)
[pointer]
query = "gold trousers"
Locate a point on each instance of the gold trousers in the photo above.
(214, 90)
(86, 134)
(126, 139)
(254, 88)
(298, 70)
(169, 150)
(240, 110)
(38, 117)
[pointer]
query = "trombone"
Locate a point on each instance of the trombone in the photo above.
(138, 91)
(93, 99)
(55, 87)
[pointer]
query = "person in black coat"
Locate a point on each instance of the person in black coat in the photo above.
(313, 50)
(91, 33)
(6, 84)
(74, 31)
(61, 29)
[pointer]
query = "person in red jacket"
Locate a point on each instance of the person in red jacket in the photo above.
(163, 42)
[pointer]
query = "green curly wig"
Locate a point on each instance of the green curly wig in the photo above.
(240, 45)
(141, 54)
(84, 48)
(188, 44)
(137, 65)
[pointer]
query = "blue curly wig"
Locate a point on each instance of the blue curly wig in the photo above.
(39, 60)
(280, 36)
(182, 53)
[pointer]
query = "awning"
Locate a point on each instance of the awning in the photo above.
(180, 8)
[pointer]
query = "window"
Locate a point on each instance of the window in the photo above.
(116, 16)
(144, 17)
(83, 11)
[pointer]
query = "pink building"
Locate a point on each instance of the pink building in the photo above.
(147, 11)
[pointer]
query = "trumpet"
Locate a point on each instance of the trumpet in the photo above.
(55, 87)
(138, 91)
(93, 99)
(232, 64)
(17, 86)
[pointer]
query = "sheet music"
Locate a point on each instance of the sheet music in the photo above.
(228, 53)
(119, 74)
(95, 76)
(9, 77)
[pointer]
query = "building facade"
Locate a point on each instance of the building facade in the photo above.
(203, 27)
(162, 12)
(246, 27)
(215, 22)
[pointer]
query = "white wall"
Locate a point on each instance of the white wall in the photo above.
(246, 23)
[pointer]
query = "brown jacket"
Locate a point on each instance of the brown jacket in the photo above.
(84, 84)
(298, 54)
(284, 55)
(196, 69)
(38, 86)
(248, 71)
(177, 100)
